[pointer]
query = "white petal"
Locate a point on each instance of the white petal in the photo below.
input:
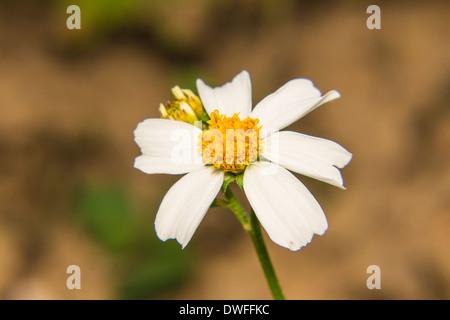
(283, 205)
(230, 98)
(311, 156)
(167, 146)
(186, 203)
(289, 103)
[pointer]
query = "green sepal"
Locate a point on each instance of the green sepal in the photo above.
(229, 177)
(240, 180)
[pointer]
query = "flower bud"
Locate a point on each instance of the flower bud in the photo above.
(185, 107)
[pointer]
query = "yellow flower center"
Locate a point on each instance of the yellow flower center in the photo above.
(230, 143)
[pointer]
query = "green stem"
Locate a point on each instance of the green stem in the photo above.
(251, 225)
(234, 205)
(264, 259)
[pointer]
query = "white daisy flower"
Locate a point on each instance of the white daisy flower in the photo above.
(283, 205)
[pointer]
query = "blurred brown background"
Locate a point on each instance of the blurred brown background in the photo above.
(70, 100)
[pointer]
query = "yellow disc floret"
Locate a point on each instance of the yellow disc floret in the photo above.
(230, 143)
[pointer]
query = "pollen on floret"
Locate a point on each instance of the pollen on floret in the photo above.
(230, 143)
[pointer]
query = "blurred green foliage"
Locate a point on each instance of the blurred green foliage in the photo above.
(146, 267)
(174, 27)
(101, 15)
(106, 213)
(177, 28)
